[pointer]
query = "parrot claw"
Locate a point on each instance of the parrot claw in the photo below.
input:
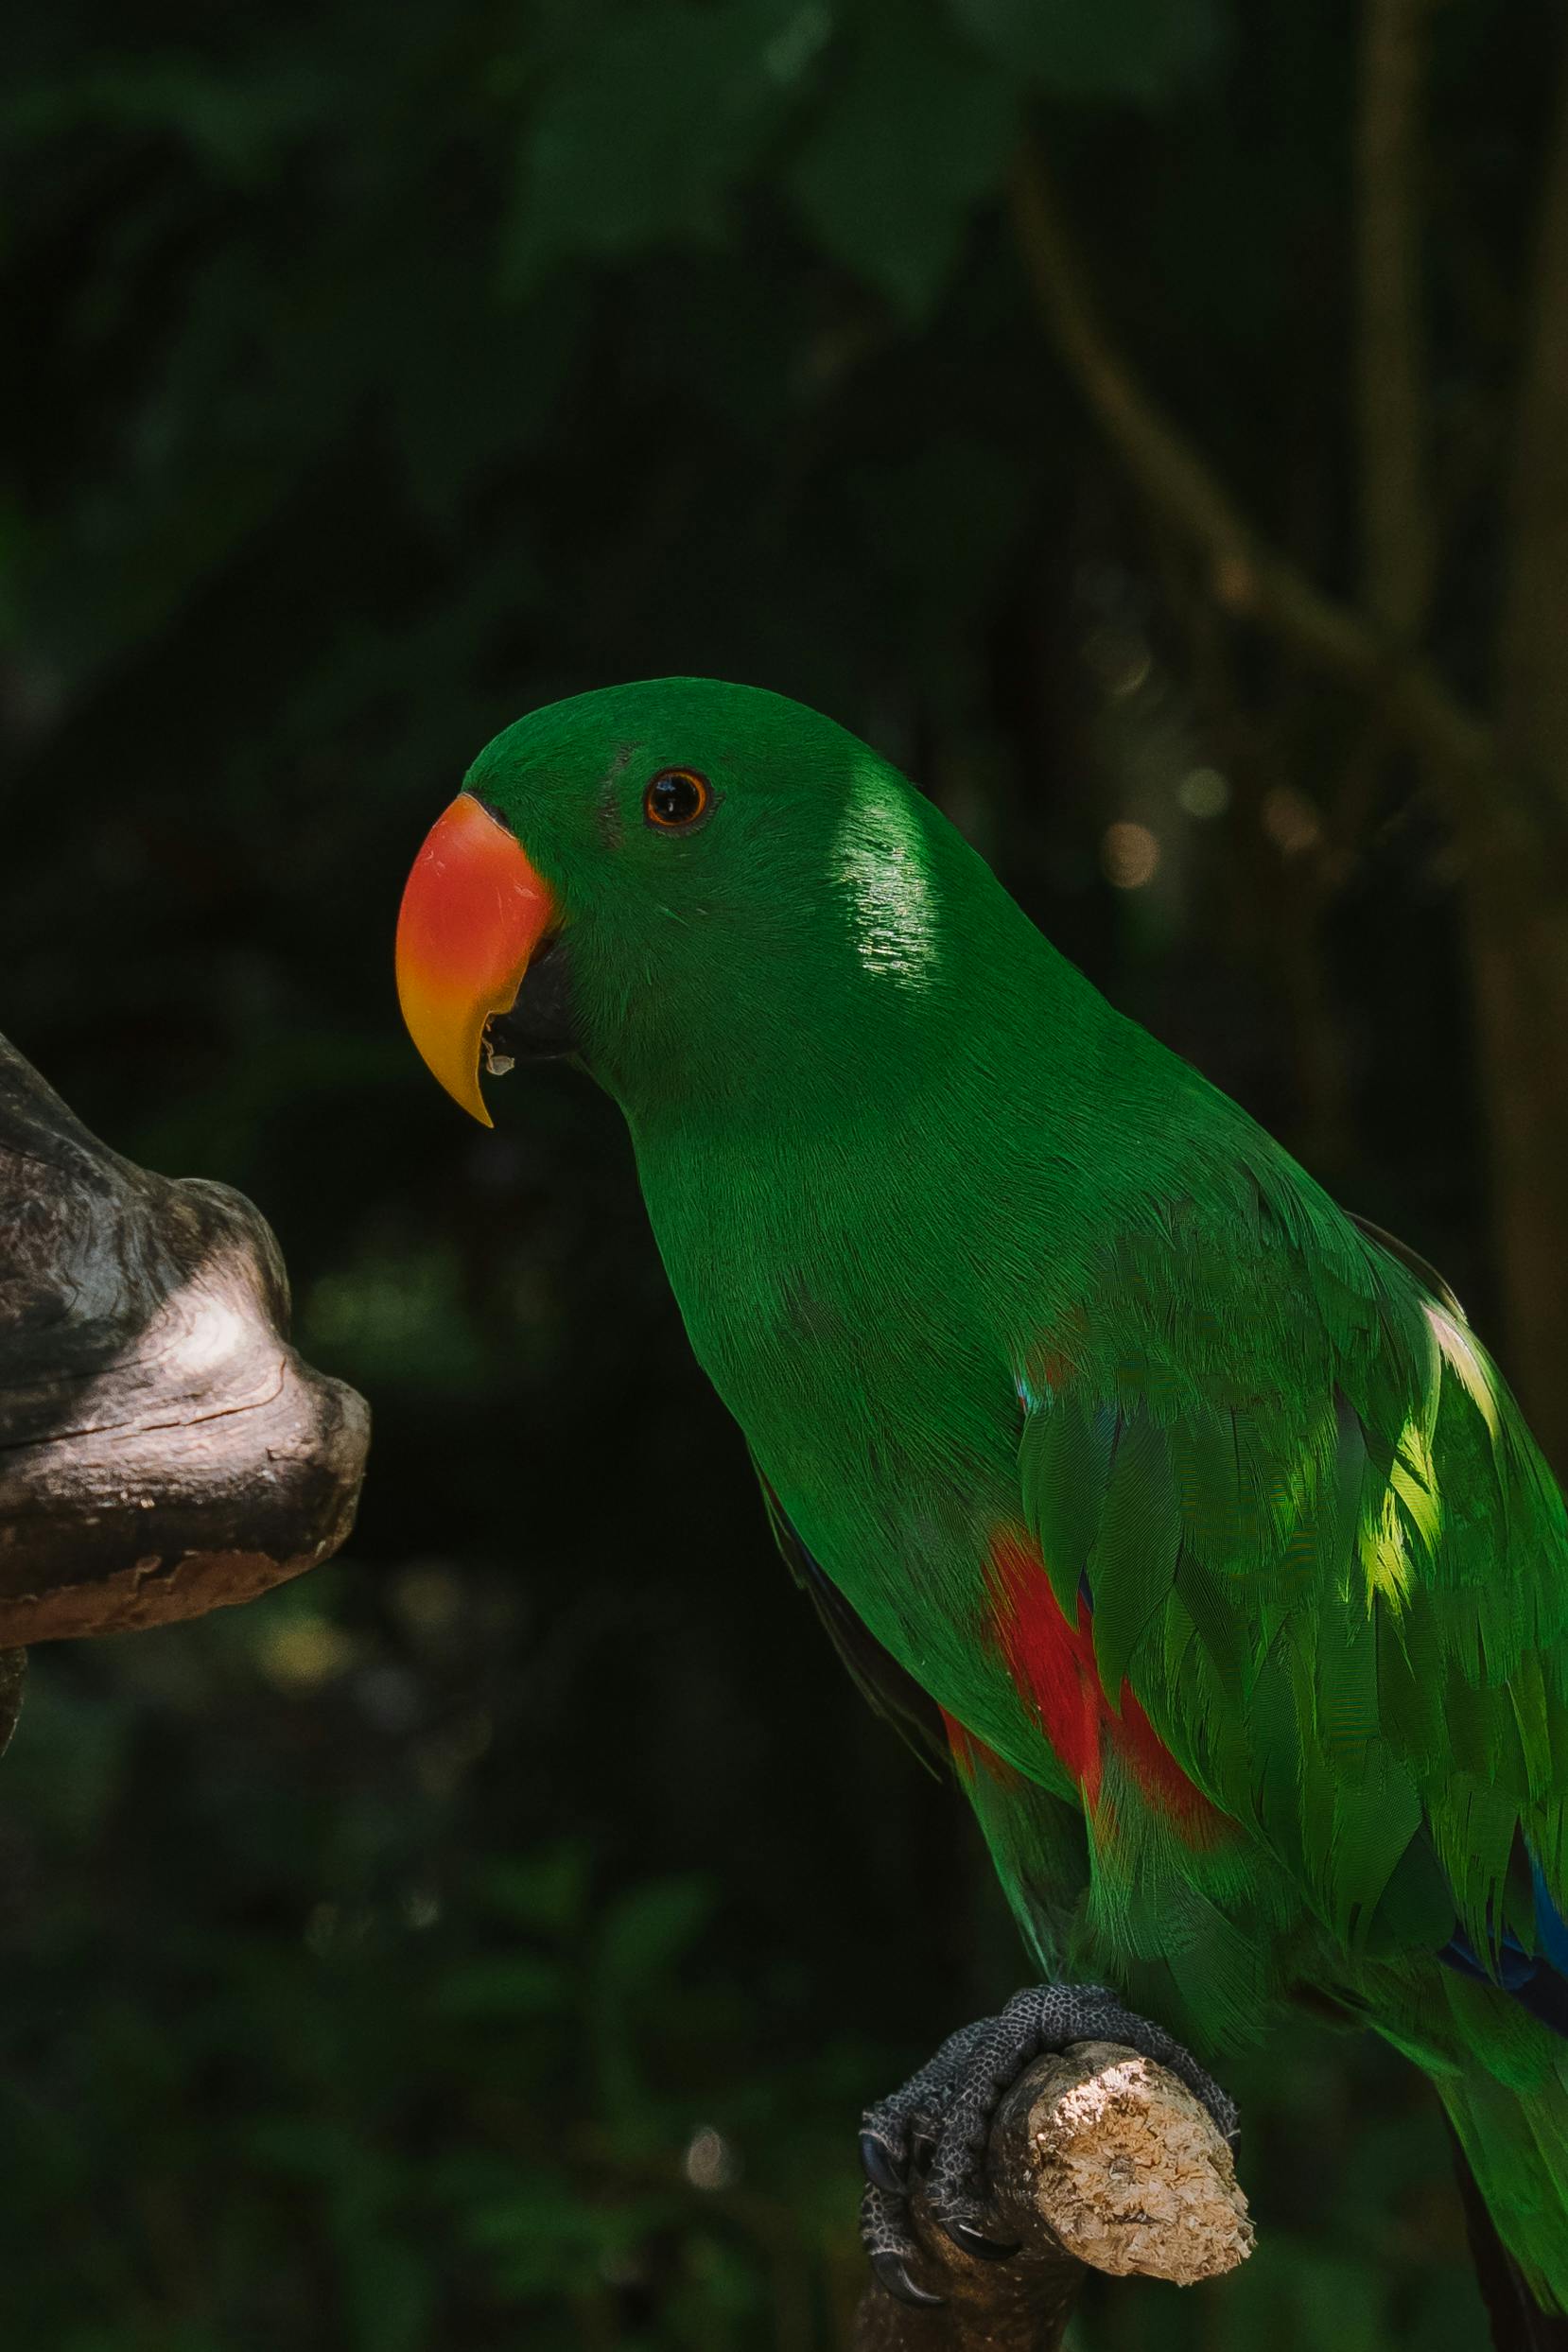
(879, 2166)
(886, 2235)
(893, 2273)
(969, 2239)
(935, 2132)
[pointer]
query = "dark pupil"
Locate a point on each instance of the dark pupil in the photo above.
(675, 798)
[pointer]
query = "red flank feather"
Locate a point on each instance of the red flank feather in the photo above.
(1051, 1660)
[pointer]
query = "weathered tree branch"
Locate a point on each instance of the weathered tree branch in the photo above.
(163, 1450)
(1246, 576)
(1396, 514)
(1097, 2160)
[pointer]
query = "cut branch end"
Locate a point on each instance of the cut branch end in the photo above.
(1097, 2160)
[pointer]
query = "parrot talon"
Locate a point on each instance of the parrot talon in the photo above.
(968, 2239)
(893, 2273)
(890, 2245)
(879, 2166)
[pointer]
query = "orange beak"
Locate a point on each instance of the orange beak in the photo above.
(473, 911)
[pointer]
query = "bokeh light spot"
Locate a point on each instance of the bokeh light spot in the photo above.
(709, 2161)
(305, 1653)
(1290, 820)
(1129, 855)
(1203, 794)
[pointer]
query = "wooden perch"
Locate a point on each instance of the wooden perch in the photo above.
(162, 1449)
(1098, 2160)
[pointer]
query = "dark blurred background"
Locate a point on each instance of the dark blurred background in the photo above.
(1147, 421)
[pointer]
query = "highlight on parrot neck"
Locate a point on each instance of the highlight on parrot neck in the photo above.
(881, 861)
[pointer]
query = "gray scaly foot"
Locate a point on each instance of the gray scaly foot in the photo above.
(938, 2124)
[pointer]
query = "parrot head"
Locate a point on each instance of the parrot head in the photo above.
(660, 879)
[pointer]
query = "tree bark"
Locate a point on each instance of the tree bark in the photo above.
(163, 1450)
(1096, 2160)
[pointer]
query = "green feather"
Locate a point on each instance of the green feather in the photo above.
(1133, 1556)
(1062, 1472)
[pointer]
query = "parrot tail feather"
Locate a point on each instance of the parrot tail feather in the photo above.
(1518, 2322)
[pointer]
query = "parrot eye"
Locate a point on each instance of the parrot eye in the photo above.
(677, 800)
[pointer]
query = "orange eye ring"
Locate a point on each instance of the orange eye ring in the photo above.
(678, 800)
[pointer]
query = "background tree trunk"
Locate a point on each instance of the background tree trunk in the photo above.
(1517, 921)
(1514, 838)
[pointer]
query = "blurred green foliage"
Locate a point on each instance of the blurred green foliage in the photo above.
(492, 1942)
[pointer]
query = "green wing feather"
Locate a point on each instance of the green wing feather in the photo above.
(1326, 1558)
(1324, 1553)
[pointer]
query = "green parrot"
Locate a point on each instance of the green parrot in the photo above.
(1185, 1510)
